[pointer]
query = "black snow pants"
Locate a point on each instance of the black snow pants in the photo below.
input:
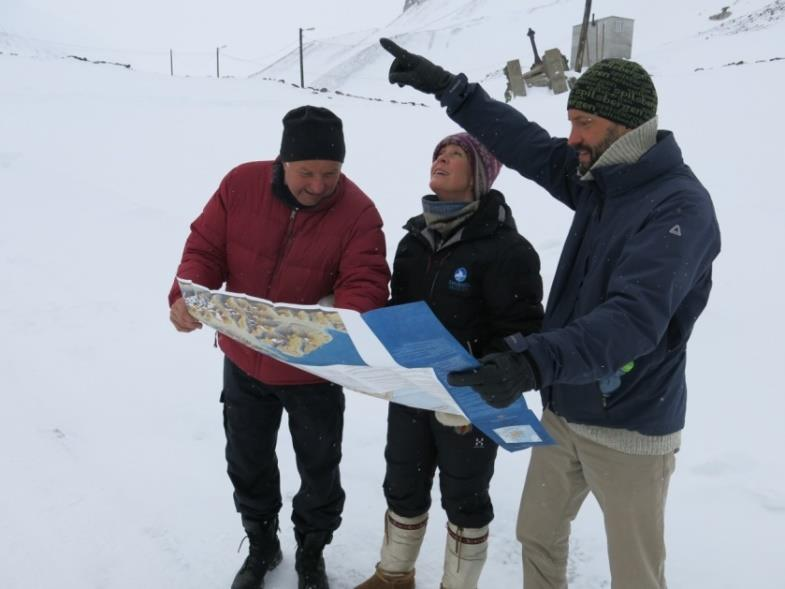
(252, 417)
(416, 444)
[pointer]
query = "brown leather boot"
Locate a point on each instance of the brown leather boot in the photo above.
(385, 580)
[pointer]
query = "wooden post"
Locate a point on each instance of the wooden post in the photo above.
(302, 75)
(582, 40)
(171, 63)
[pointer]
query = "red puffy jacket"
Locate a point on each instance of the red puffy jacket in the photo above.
(250, 239)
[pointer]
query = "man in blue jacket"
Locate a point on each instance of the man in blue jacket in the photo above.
(633, 277)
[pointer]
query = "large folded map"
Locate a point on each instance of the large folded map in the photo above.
(401, 354)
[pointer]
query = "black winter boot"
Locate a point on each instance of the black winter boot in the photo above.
(264, 553)
(309, 561)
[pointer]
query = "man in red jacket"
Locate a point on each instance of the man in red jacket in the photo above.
(292, 230)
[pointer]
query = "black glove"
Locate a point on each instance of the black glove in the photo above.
(496, 344)
(500, 379)
(409, 69)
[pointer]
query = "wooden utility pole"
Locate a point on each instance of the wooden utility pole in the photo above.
(302, 75)
(582, 38)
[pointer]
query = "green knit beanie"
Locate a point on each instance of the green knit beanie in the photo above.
(618, 90)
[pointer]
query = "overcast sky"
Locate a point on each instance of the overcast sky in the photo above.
(250, 28)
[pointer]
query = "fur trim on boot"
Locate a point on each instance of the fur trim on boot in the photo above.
(451, 420)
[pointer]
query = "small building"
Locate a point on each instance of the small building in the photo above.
(607, 37)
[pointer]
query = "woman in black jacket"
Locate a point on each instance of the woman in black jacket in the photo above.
(464, 257)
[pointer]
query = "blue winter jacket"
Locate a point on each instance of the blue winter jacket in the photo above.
(633, 277)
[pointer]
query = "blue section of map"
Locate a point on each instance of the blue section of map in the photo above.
(416, 339)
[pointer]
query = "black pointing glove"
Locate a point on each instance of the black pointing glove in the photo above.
(500, 379)
(409, 69)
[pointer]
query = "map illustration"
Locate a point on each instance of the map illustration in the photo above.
(287, 333)
(401, 354)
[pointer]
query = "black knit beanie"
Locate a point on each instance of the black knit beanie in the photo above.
(618, 90)
(312, 133)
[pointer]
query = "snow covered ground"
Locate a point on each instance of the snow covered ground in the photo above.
(112, 447)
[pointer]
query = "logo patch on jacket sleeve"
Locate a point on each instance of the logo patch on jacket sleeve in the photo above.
(675, 230)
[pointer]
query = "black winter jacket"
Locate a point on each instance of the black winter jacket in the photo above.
(482, 282)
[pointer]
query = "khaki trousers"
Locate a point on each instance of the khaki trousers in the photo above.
(630, 489)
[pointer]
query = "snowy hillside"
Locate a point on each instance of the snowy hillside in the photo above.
(480, 36)
(112, 462)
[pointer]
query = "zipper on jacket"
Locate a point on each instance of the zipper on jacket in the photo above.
(439, 265)
(282, 251)
(598, 209)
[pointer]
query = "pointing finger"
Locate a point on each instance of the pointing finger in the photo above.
(392, 47)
